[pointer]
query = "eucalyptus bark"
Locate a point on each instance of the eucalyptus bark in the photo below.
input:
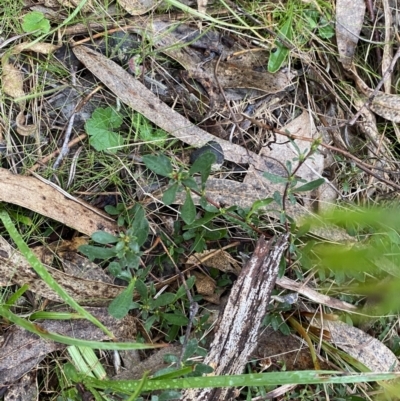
(238, 327)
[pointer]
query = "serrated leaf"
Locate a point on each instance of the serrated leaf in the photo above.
(35, 21)
(310, 185)
(158, 164)
(188, 210)
(104, 238)
(119, 307)
(170, 194)
(276, 179)
(95, 252)
(102, 139)
(106, 118)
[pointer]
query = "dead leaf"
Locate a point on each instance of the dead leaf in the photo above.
(217, 259)
(22, 129)
(349, 21)
(79, 266)
(14, 268)
(138, 7)
(205, 286)
(24, 350)
(69, 3)
(40, 47)
(386, 106)
(366, 349)
(35, 195)
(12, 80)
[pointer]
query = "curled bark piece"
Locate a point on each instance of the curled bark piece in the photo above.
(238, 327)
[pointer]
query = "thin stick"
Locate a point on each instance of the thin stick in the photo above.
(65, 149)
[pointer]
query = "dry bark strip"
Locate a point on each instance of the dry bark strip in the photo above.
(35, 195)
(238, 327)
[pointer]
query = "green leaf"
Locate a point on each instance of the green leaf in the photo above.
(114, 268)
(106, 118)
(35, 21)
(202, 221)
(102, 237)
(102, 139)
(95, 252)
(310, 185)
(140, 226)
(203, 165)
(279, 56)
(119, 307)
(99, 128)
(162, 300)
(191, 183)
(142, 290)
(174, 318)
(327, 31)
(260, 203)
(170, 194)
(275, 179)
(188, 210)
(159, 164)
(191, 349)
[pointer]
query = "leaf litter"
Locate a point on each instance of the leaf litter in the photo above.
(230, 75)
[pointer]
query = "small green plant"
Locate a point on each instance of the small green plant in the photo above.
(182, 180)
(100, 128)
(146, 132)
(161, 309)
(36, 23)
(296, 24)
(124, 250)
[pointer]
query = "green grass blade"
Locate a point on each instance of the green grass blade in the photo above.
(43, 333)
(258, 379)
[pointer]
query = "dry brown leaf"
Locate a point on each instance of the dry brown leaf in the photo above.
(41, 198)
(361, 346)
(202, 6)
(217, 259)
(22, 129)
(15, 269)
(69, 3)
(40, 47)
(386, 106)
(24, 350)
(138, 7)
(206, 287)
(79, 266)
(12, 80)
(349, 21)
